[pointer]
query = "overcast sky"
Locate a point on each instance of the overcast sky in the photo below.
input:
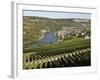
(57, 14)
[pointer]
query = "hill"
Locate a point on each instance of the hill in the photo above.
(32, 26)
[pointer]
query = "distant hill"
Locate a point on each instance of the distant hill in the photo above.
(32, 26)
(53, 24)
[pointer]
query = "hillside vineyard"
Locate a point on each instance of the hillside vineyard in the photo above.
(56, 43)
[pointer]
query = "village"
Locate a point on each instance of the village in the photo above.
(73, 32)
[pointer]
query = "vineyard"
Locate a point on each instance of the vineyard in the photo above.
(69, 53)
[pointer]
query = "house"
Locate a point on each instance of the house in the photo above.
(87, 37)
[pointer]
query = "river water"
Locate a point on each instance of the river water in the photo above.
(49, 38)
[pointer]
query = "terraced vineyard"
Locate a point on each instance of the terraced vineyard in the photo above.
(70, 53)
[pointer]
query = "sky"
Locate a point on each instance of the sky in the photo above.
(50, 14)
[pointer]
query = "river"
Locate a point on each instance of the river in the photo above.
(48, 38)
